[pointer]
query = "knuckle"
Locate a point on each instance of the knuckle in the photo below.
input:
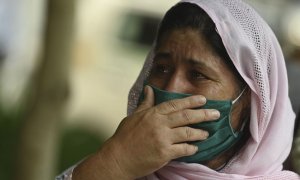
(186, 116)
(161, 144)
(162, 152)
(152, 116)
(158, 135)
(172, 104)
(188, 132)
(205, 114)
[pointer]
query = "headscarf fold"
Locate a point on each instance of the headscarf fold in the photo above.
(256, 54)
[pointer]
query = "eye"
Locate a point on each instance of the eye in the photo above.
(196, 75)
(161, 69)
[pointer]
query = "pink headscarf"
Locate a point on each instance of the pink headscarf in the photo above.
(257, 56)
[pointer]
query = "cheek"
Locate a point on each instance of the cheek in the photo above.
(157, 81)
(212, 91)
(228, 87)
(239, 114)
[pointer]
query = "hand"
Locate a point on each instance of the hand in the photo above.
(154, 135)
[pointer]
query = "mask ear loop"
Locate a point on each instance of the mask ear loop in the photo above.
(243, 126)
(236, 99)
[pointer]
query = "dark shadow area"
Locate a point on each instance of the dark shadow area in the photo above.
(9, 137)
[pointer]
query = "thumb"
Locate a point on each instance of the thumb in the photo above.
(148, 100)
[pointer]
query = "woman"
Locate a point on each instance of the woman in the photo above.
(215, 102)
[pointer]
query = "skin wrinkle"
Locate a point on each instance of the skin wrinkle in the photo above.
(172, 105)
(186, 115)
(175, 51)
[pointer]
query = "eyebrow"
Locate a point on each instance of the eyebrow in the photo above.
(162, 55)
(191, 61)
(197, 63)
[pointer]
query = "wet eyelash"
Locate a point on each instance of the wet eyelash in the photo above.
(196, 73)
(161, 68)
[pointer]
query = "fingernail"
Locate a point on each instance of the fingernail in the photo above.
(215, 114)
(196, 148)
(202, 99)
(205, 134)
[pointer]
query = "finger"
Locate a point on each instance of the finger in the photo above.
(189, 116)
(180, 104)
(183, 149)
(148, 100)
(184, 134)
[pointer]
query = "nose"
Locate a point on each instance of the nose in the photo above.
(177, 83)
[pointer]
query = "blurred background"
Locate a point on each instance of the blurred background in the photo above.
(66, 67)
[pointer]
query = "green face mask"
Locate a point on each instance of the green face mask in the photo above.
(221, 135)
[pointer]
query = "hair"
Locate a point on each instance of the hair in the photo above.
(188, 15)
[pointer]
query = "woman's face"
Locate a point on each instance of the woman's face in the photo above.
(185, 63)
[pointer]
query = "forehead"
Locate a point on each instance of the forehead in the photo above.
(187, 44)
(186, 38)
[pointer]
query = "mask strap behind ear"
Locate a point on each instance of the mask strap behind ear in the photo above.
(236, 99)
